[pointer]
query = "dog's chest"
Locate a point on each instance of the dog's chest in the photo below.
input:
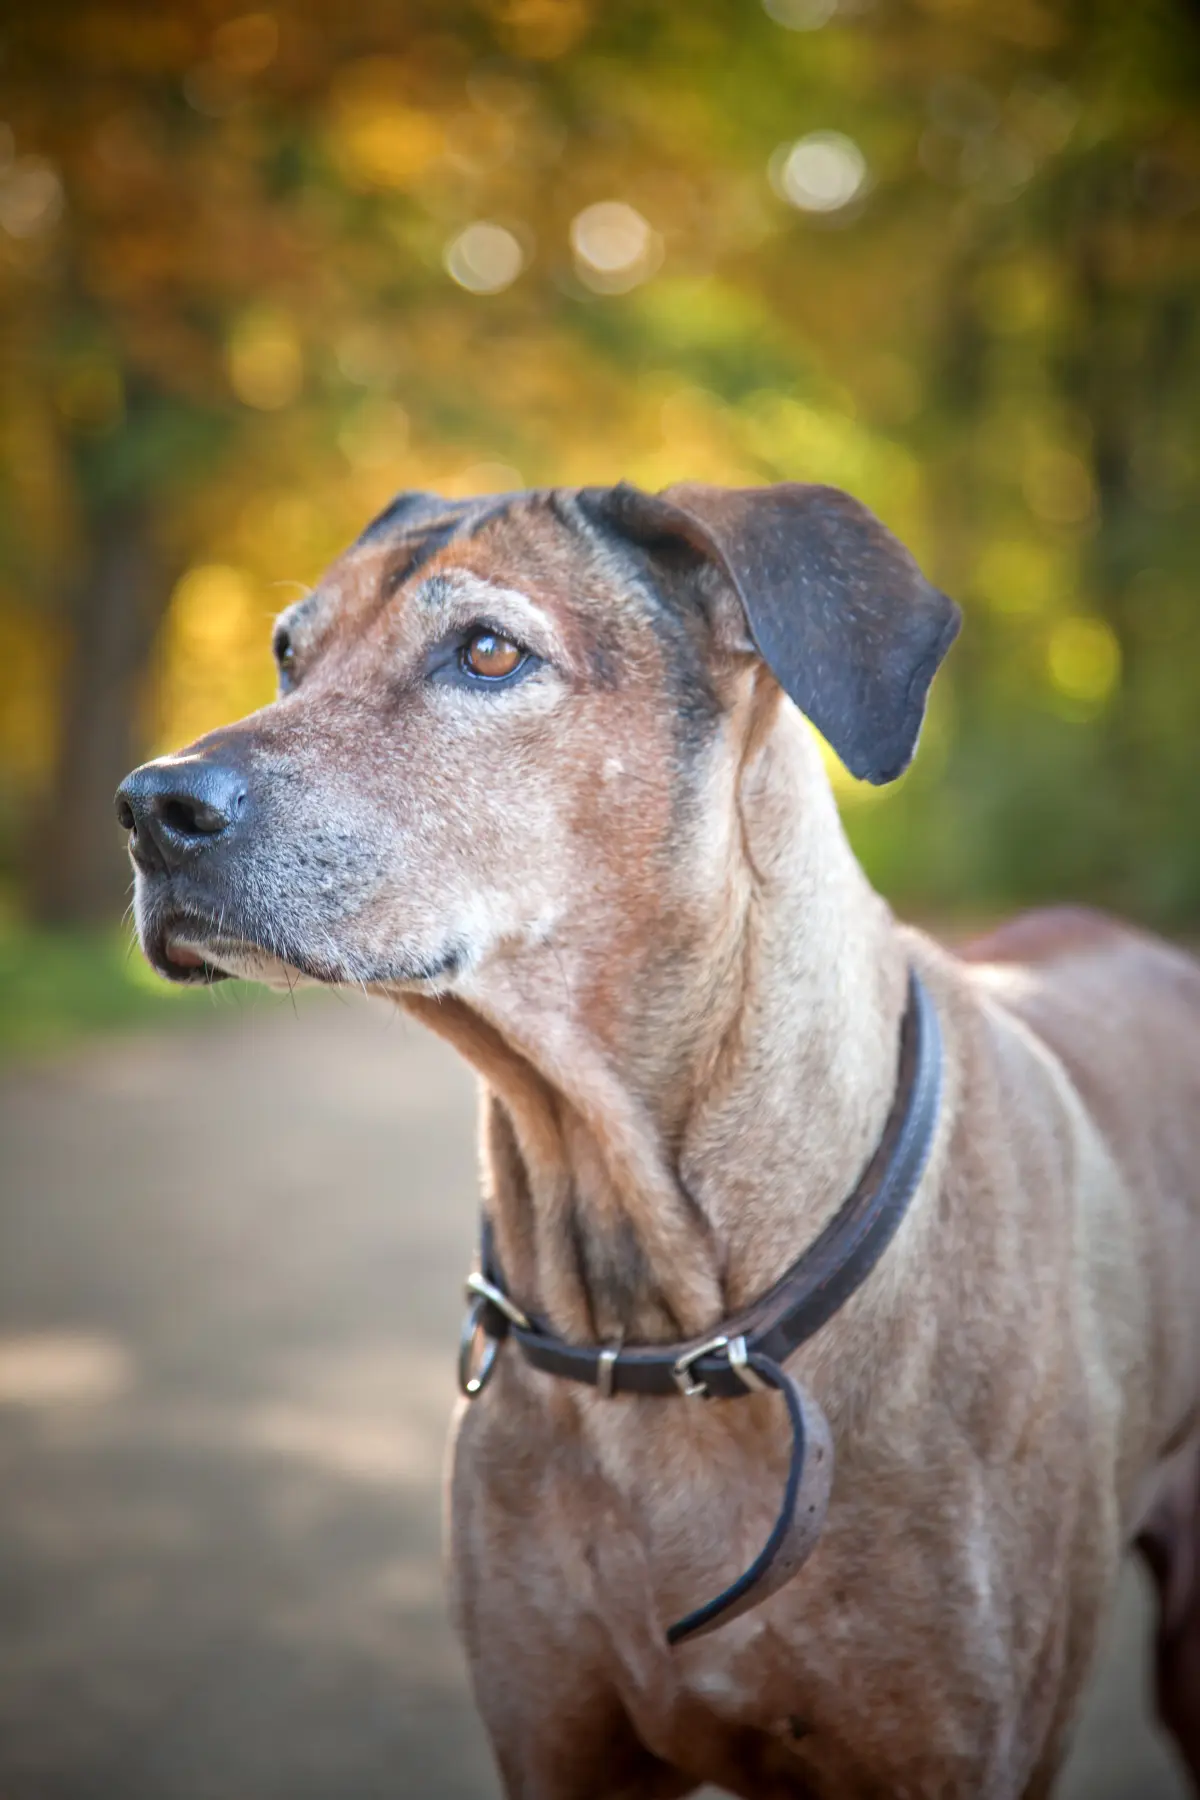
(832, 1734)
(852, 1685)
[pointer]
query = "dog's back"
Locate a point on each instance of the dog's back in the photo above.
(1122, 1011)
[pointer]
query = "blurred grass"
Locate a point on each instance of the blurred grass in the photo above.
(56, 986)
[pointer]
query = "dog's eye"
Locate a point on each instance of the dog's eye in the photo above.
(489, 656)
(284, 652)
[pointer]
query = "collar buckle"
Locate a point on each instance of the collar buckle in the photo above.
(738, 1357)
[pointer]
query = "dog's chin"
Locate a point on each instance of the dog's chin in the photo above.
(245, 962)
(186, 952)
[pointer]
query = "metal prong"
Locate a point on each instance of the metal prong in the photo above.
(749, 1377)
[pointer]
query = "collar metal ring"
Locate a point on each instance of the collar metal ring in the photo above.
(472, 1378)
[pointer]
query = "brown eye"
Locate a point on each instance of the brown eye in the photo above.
(490, 656)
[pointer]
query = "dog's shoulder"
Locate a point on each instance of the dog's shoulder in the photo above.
(1047, 934)
(1076, 952)
(1120, 1009)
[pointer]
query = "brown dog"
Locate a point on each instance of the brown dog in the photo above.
(534, 774)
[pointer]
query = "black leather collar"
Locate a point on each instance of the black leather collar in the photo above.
(746, 1354)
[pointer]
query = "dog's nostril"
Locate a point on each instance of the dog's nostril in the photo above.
(192, 816)
(181, 816)
(125, 816)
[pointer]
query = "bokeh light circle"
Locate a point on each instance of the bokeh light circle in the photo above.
(484, 258)
(819, 173)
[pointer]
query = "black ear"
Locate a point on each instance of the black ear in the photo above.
(835, 605)
(418, 515)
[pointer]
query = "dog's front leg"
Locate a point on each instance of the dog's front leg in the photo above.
(1169, 1542)
(569, 1667)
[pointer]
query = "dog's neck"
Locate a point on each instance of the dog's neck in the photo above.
(664, 1137)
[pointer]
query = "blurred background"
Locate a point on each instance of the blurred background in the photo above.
(263, 269)
(260, 269)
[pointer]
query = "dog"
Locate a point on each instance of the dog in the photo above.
(539, 770)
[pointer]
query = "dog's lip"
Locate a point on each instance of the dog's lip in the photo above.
(187, 949)
(182, 955)
(184, 947)
(174, 949)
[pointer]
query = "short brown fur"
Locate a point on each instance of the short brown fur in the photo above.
(683, 999)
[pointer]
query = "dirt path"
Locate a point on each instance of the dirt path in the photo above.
(230, 1267)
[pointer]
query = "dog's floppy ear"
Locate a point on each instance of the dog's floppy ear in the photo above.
(834, 604)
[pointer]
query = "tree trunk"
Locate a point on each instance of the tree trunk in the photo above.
(79, 872)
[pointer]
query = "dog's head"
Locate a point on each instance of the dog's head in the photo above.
(495, 714)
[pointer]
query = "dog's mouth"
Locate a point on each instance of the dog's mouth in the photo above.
(180, 956)
(180, 950)
(193, 950)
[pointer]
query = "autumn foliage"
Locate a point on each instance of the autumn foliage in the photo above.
(262, 269)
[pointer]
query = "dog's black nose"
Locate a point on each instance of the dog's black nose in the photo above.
(179, 806)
